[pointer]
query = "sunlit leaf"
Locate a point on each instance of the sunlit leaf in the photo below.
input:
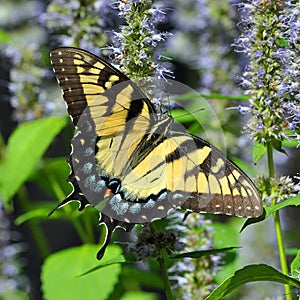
(198, 254)
(139, 295)
(41, 212)
(25, 148)
(5, 36)
(259, 150)
(120, 259)
(295, 266)
(60, 274)
(250, 273)
(269, 210)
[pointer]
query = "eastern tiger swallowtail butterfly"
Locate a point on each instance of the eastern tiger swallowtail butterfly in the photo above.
(134, 165)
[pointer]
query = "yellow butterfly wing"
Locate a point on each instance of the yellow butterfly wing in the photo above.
(130, 163)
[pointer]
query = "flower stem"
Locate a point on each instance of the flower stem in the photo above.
(163, 268)
(270, 160)
(277, 223)
(164, 272)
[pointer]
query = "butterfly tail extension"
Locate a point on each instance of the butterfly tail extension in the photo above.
(74, 196)
(110, 226)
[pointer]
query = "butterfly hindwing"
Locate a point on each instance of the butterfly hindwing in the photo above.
(134, 165)
(210, 182)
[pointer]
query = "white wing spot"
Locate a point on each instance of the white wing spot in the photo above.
(248, 208)
(257, 207)
(126, 220)
(144, 217)
(217, 205)
(61, 60)
(229, 206)
(170, 210)
(160, 207)
(239, 207)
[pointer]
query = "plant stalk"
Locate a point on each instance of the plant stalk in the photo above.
(162, 261)
(164, 272)
(278, 229)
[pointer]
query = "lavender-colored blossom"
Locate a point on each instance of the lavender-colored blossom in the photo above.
(136, 46)
(272, 76)
(30, 96)
(297, 186)
(194, 278)
(243, 109)
(77, 25)
(201, 38)
(12, 281)
(279, 189)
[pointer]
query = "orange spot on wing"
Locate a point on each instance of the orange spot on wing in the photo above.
(108, 193)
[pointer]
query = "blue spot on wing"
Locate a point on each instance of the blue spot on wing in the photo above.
(87, 168)
(93, 185)
(135, 208)
(150, 204)
(118, 205)
(162, 197)
(88, 151)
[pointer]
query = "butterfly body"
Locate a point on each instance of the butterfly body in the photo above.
(133, 164)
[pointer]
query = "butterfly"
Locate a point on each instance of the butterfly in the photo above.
(133, 164)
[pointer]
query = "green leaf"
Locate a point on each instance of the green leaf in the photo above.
(25, 147)
(295, 266)
(197, 254)
(52, 177)
(292, 251)
(277, 145)
(124, 258)
(36, 213)
(269, 210)
(136, 276)
(259, 150)
(289, 144)
(294, 201)
(254, 220)
(5, 36)
(195, 96)
(226, 235)
(182, 116)
(61, 270)
(282, 42)
(139, 295)
(250, 273)
(14, 295)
